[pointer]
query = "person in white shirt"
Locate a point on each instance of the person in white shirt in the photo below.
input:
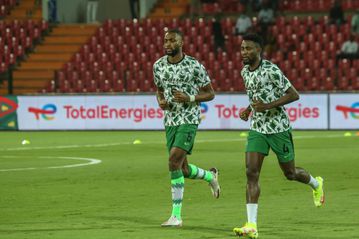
(349, 49)
(266, 15)
(243, 24)
(265, 18)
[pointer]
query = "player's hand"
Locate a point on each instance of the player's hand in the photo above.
(180, 97)
(163, 104)
(245, 115)
(259, 106)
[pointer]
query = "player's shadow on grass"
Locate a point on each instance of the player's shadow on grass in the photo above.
(150, 223)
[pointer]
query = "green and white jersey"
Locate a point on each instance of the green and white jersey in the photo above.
(268, 84)
(187, 76)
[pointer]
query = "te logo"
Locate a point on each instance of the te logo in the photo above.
(46, 111)
(354, 110)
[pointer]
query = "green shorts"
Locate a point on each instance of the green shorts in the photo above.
(181, 136)
(281, 144)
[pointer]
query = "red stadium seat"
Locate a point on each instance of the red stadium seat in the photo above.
(356, 64)
(328, 84)
(49, 88)
(280, 22)
(118, 86)
(92, 86)
(355, 83)
(106, 86)
(353, 73)
(73, 76)
(344, 64)
(345, 29)
(298, 83)
(313, 84)
(343, 83)
(66, 87)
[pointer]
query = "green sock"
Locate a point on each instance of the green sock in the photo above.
(199, 173)
(177, 188)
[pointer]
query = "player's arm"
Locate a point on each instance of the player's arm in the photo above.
(245, 113)
(161, 99)
(206, 93)
(290, 95)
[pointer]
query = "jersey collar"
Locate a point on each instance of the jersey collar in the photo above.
(260, 63)
(176, 62)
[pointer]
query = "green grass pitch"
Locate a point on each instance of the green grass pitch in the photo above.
(127, 195)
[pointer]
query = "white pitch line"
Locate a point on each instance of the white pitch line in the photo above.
(91, 161)
(16, 169)
(24, 148)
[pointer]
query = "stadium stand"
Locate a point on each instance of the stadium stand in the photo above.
(228, 6)
(117, 56)
(17, 38)
(25, 9)
(6, 6)
(305, 6)
(168, 9)
(55, 50)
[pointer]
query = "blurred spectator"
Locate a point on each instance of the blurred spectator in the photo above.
(256, 5)
(355, 23)
(196, 8)
(336, 14)
(274, 4)
(243, 24)
(266, 14)
(218, 34)
(349, 49)
(134, 6)
(265, 18)
(52, 11)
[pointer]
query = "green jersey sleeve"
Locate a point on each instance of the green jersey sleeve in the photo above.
(156, 76)
(201, 75)
(279, 79)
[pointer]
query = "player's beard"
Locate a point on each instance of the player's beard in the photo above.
(249, 61)
(173, 52)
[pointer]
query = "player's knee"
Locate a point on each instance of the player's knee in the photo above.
(174, 162)
(252, 174)
(290, 175)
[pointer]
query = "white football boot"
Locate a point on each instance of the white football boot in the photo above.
(173, 221)
(214, 184)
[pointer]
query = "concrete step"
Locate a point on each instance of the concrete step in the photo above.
(74, 30)
(30, 74)
(54, 40)
(29, 83)
(38, 65)
(50, 57)
(57, 48)
(25, 91)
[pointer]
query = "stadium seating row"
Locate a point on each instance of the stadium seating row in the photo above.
(17, 37)
(121, 53)
(6, 6)
(228, 6)
(318, 5)
(233, 6)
